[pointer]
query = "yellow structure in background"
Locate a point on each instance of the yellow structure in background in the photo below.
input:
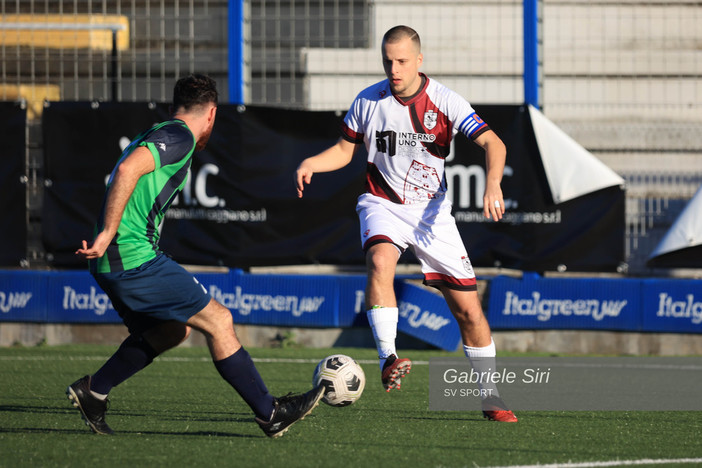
(64, 31)
(94, 32)
(34, 96)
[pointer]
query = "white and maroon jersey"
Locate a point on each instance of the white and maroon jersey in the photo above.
(407, 142)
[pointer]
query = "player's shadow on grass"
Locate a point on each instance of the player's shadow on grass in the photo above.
(234, 419)
(87, 432)
(28, 409)
(193, 434)
(200, 416)
(465, 416)
(40, 430)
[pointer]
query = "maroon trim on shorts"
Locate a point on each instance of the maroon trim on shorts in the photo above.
(459, 284)
(379, 239)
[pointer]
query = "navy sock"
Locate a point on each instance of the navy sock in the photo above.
(132, 356)
(240, 372)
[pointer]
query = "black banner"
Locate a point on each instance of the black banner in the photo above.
(583, 234)
(240, 208)
(82, 143)
(13, 192)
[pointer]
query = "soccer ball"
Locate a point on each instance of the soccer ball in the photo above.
(342, 377)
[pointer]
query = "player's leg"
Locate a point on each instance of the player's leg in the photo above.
(234, 364)
(149, 335)
(381, 262)
(381, 303)
(138, 350)
(382, 235)
(230, 359)
(163, 291)
(468, 312)
(478, 347)
(216, 323)
(382, 312)
(447, 267)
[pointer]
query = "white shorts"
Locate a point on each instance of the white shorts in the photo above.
(428, 228)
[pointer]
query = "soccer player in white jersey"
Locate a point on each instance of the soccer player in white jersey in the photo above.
(406, 123)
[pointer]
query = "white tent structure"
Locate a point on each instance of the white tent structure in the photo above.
(682, 244)
(577, 174)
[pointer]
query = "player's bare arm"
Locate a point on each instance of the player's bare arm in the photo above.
(495, 156)
(331, 159)
(138, 163)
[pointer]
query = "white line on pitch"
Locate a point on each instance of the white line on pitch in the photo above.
(598, 464)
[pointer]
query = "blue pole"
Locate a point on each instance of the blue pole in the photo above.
(235, 41)
(531, 53)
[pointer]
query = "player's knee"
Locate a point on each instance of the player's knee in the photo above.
(167, 336)
(222, 320)
(213, 320)
(177, 336)
(185, 333)
(382, 259)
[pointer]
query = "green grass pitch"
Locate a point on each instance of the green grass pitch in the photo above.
(179, 412)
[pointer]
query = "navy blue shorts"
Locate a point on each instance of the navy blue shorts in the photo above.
(157, 291)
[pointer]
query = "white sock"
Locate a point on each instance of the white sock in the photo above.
(383, 322)
(97, 395)
(483, 360)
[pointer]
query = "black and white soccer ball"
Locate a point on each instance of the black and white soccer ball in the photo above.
(342, 377)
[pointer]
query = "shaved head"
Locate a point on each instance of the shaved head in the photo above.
(401, 32)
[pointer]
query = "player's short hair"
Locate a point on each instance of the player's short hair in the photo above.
(193, 91)
(400, 32)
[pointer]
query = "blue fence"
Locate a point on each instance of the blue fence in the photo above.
(337, 301)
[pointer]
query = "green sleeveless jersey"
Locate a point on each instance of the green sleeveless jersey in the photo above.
(172, 145)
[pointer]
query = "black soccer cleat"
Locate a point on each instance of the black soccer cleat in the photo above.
(92, 409)
(290, 409)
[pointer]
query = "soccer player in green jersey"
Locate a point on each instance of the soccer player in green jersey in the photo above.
(158, 300)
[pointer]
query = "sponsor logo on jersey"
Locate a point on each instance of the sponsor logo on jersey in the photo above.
(430, 117)
(411, 138)
(161, 145)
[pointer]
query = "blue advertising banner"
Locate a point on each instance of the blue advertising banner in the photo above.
(23, 296)
(672, 306)
(284, 300)
(352, 297)
(425, 315)
(337, 301)
(534, 302)
(75, 297)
